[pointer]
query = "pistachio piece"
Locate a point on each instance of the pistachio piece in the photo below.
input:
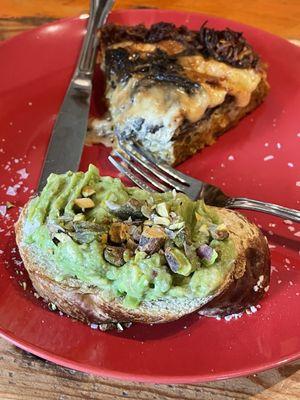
(83, 236)
(88, 191)
(9, 205)
(103, 238)
(131, 208)
(66, 218)
(79, 217)
(152, 239)
(162, 210)
(118, 232)
(191, 254)
(62, 237)
(180, 238)
(127, 255)
(161, 220)
(218, 232)
(146, 211)
(207, 254)
(177, 261)
(84, 231)
(150, 200)
(135, 232)
(91, 226)
(84, 203)
(177, 225)
(131, 245)
(114, 255)
(54, 228)
(171, 234)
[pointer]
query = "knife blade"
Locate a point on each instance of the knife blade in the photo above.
(67, 138)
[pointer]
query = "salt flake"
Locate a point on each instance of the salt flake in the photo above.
(267, 158)
(12, 190)
(2, 210)
(23, 173)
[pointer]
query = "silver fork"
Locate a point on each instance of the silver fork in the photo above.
(140, 168)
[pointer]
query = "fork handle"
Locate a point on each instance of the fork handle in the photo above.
(269, 208)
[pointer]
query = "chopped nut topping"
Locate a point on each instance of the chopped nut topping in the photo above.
(9, 205)
(218, 232)
(152, 239)
(79, 217)
(177, 225)
(114, 255)
(130, 209)
(118, 232)
(84, 203)
(162, 210)
(161, 220)
(88, 191)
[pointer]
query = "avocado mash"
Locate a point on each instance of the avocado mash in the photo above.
(130, 243)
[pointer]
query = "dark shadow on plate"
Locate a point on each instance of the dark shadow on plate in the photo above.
(143, 332)
(279, 240)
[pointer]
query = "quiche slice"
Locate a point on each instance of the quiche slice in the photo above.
(175, 90)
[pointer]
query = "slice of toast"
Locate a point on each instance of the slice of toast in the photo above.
(243, 284)
(176, 90)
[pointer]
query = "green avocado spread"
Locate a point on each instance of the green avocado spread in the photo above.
(129, 243)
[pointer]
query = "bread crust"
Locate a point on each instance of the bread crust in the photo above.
(89, 305)
(248, 288)
(220, 120)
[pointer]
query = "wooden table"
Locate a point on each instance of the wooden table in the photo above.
(27, 377)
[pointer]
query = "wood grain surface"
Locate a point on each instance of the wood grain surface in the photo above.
(24, 376)
(281, 17)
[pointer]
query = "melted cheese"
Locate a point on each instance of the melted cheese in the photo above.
(166, 107)
(238, 82)
(162, 106)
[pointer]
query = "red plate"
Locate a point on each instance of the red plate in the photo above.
(258, 159)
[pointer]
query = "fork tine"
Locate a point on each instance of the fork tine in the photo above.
(126, 171)
(150, 166)
(141, 172)
(164, 167)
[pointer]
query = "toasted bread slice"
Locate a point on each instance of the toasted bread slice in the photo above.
(242, 287)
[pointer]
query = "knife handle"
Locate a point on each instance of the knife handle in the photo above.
(99, 10)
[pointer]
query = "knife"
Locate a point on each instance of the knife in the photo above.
(67, 138)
